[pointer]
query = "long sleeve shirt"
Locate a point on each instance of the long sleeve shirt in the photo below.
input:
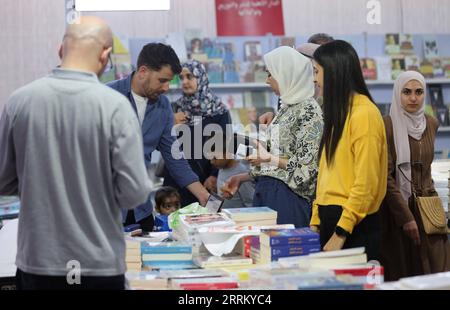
(71, 148)
(357, 178)
(157, 135)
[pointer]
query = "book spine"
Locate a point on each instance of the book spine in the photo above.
(277, 252)
(285, 240)
(165, 250)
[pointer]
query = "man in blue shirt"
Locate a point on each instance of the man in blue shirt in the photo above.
(157, 64)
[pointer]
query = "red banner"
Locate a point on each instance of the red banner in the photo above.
(249, 17)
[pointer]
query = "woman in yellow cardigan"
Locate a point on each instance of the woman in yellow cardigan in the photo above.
(353, 162)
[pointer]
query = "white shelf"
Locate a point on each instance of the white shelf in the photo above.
(444, 129)
(390, 82)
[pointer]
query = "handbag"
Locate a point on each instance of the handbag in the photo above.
(432, 214)
(431, 211)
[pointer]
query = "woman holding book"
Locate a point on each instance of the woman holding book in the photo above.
(285, 166)
(197, 108)
(353, 154)
(406, 249)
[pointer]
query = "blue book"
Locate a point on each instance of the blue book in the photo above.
(165, 247)
(167, 265)
(290, 250)
(289, 236)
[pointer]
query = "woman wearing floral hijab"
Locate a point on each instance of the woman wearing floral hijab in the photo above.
(286, 171)
(406, 249)
(198, 108)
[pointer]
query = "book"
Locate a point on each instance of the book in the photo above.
(166, 257)
(406, 44)
(412, 63)
(383, 68)
(215, 70)
(253, 51)
(205, 261)
(436, 95)
(438, 69)
(165, 247)
(430, 47)
(268, 254)
(233, 100)
(446, 66)
(253, 213)
(392, 44)
(9, 207)
(194, 221)
(438, 281)
(192, 273)
(369, 68)
(289, 237)
(168, 265)
(426, 68)
(214, 283)
(398, 66)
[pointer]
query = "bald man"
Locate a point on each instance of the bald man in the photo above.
(71, 148)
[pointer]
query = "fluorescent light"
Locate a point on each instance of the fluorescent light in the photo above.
(121, 5)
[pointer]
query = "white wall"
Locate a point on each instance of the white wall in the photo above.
(31, 30)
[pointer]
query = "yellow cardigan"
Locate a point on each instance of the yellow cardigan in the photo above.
(357, 179)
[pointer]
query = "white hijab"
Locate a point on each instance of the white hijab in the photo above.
(406, 124)
(293, 72)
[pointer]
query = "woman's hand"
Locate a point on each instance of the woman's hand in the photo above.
(335, 243)
(314, 228)
(231, 187)
(211, 184)
(412, 231)
(266, 118)
(261, 156)
(180, 118)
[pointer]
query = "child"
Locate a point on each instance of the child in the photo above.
(167, 200)
(228, 167)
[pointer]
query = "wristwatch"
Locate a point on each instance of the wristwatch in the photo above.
(341, 232)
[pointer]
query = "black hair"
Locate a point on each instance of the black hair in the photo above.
(163, 193)
(320, 38)
(157, 55)
(342, 79)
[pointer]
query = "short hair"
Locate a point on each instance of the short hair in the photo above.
(157, 55)
(163, 193)
(320, 38)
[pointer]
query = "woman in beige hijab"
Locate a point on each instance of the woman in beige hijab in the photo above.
(406, 249)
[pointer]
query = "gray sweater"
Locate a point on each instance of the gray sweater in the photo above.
(71, 148)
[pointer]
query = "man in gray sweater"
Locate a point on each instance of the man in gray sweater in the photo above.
(71, 148)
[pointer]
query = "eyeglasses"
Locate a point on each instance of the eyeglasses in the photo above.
(110, 65)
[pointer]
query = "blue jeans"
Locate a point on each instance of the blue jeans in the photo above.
(275, 194)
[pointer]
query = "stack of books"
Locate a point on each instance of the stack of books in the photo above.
(275, 244)
(257, 216)
(332, 260)
(187, 230)
(146, 280)
(166, 255)
(133, 254)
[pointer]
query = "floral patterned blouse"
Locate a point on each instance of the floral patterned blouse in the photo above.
(295, 134)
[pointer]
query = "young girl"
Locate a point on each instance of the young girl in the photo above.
(353, 164)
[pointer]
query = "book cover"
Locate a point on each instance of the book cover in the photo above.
(392, 44)
(288, 237)
(446, 66)
(275, 252)
(438, 69)
(215, 70)
(233, 100)
(412, 63)
(194, 221)
(253, 51)
(426, 68)
(430, 47)
(165, 247)
(383, 68)
(436, 95)
(406, 44)
(369, 68)
(398, 66)
(230, 72)
(253, 213)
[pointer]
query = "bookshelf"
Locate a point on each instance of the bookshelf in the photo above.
(391, 82)
(444, 129)
(236, 86)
